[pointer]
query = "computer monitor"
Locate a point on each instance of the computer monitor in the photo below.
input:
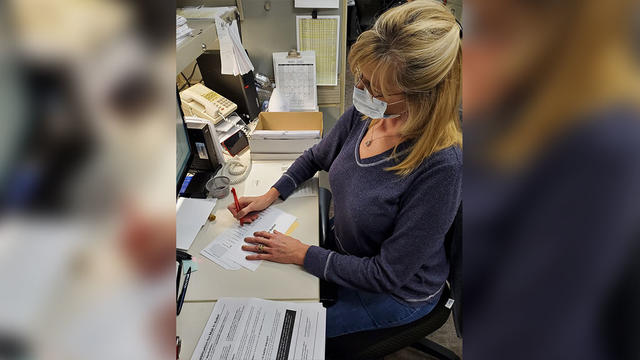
(184, 152)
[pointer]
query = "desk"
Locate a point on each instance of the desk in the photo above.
(270, 281)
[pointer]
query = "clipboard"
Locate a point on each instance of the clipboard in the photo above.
(295, 74)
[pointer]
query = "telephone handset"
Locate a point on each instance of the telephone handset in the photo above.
(200, 101)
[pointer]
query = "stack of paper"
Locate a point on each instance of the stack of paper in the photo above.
(182, 29)
(285, 134)
(225, 129)
(250, 328)
(191, 214)
(226, 249)
(233, 57)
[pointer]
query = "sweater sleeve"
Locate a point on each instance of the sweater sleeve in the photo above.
(318, 157)
(427, 211)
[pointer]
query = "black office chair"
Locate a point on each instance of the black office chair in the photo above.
(328, 291)
(375, 344)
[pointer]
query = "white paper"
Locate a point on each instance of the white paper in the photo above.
(191, 214)
(277, 102)
(296, 80)
(286, 134)
(180, 20)
(224, 126)
(243, 62)
(227, 58)
(227, 246)
(225, 263)
(317, 4)
(264, 175)
(250, 328)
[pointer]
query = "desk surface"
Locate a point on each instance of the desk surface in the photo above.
(270, 281)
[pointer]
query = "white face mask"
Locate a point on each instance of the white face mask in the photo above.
(370, 106)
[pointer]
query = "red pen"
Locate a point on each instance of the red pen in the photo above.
(235, 199)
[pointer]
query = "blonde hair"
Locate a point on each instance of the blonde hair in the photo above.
(416, 47)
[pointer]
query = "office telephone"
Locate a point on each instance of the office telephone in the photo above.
(202, 102)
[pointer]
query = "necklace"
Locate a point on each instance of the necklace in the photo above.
(373, 129)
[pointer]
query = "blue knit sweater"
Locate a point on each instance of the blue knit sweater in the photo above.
(389, 229)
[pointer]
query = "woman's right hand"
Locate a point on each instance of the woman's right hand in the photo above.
(251, 204)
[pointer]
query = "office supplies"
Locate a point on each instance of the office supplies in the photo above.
(235, 199)
(285, 135)
(295, 74)
(218, 187)
(226, 247)
(184, 291)
(240, 89)
(233, 57)
(191, 214)
(265, 173)
(182, 29)
(202, 102)
(182, 255)
(189, 264)
(321, 35)
(251, 328)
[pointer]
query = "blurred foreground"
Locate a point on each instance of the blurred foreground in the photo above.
(551, 97)
(87, 149)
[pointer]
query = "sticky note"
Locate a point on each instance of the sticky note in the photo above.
(189, 264)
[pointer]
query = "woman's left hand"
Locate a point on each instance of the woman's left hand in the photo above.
(276, 247)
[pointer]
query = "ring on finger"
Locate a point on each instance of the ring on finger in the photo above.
(260, 248)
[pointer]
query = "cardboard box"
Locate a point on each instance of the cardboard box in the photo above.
(285, 148)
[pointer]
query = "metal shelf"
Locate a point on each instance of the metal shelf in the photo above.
(204, 37)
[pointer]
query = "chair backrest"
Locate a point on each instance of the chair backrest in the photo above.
(453, 246)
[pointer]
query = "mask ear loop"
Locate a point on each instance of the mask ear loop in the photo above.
(460, 25)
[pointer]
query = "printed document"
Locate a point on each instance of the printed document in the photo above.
(226, 248)
(296, 80)
(250, 328)
(264, 174)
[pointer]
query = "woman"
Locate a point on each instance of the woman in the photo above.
(395, 168)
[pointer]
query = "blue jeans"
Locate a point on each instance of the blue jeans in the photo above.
(357, 310)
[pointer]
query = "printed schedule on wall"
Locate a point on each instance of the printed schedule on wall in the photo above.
(321, 36)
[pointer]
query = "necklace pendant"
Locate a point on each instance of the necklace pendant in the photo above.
(367, 143)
